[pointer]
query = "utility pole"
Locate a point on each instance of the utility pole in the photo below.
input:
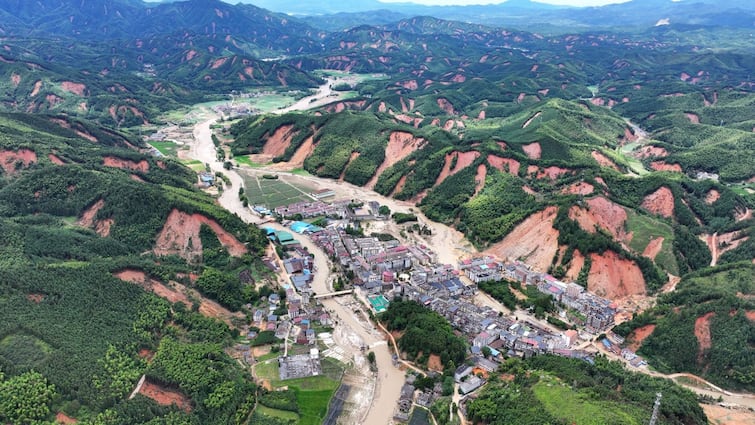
(656, 408)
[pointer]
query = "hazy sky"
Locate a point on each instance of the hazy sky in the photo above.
(467, 2)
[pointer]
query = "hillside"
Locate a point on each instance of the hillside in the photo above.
(620, 156)
(550, 389)
(489, 175)
(79, 206)
(713, 311)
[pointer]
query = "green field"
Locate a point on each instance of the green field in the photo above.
(313, 394)
(246, 161)
(277, 413)
(166, 148)
(576, 408)
(273, 193)
(194, 164)
(644, 229)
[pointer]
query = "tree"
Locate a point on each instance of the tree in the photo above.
(486, 351)
(384, 210)
(371, 357)
(119, 376)
(25, 398)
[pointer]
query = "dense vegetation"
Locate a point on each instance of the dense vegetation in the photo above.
(71, 333)
(423, 333)
(713, 301)
(557, 390)
(539, 114)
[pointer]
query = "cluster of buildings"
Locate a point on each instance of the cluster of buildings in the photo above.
(309, 209)
(342, 209)
(383, 269)
(583, 308)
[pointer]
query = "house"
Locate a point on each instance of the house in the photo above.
(484, 338)
(461, 372)
(281, 331)
(301, 338)
(486, 364)
(323, 193)
(206, 179)
(472, 383)
(406, 398)
(324, 319)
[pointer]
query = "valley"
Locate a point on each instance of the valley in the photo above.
(213, 213)
(202, 149)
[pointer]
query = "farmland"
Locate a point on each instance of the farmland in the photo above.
(273, 192)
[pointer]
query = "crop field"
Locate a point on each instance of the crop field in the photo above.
(246, 161)
(273, 192)
(313, 394)
(166, 148)
(194, 164)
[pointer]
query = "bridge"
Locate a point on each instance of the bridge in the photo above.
(333, 294)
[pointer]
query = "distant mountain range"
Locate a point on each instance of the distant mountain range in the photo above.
(526, 14)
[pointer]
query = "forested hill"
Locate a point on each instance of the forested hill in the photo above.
(712, 309)
(87, 223)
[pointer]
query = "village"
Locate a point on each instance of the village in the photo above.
(373, 270)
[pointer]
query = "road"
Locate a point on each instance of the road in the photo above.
(390, 379)
(322, 96)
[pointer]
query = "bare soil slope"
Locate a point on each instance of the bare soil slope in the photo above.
(180, 236)
(534, 241)
(613, 277)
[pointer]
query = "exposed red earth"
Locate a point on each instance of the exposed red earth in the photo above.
(504, 164)
(446, 106)
(532, 150)
(693, 118)
(13, 161)
(463, 160)
(575, 266)
(603, 160)
(653, 248)
(649, 151)
(482, 173)
(712, 196)
(613, 277)
(140, 278)
(64, 419)
(277, 143)
(638, 335)
(75, 88)
(36, 89)
(664, 166)
(604, 214)
(702, 333)
(66, 124)
(400, 145)
(581, 188)
(165, 396)
(180, 236)
(533, 241)
(55, 160)
(126, 164)
(660, 202)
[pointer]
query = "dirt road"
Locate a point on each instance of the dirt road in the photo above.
(449, 244)
(389, 378)
(322, 96)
